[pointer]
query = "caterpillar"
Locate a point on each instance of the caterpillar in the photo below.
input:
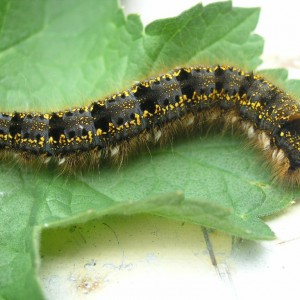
(182, 98)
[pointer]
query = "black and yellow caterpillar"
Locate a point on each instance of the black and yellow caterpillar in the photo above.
(173, 100)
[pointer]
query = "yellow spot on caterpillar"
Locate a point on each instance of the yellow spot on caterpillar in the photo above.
(120, 128)
(134, 89)
(157, 109)
(62, 139)
(138, 119)
(111, 127)
(177, 73)
(90, 137)
(146, 114)
(146, 84)
(188, 70)
(41, 141)
(99, 132)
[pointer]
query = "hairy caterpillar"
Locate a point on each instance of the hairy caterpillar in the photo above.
(178, 99)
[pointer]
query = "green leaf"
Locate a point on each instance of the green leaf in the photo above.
(56, 56)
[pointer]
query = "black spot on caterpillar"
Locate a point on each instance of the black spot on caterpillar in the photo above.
(183, 97)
